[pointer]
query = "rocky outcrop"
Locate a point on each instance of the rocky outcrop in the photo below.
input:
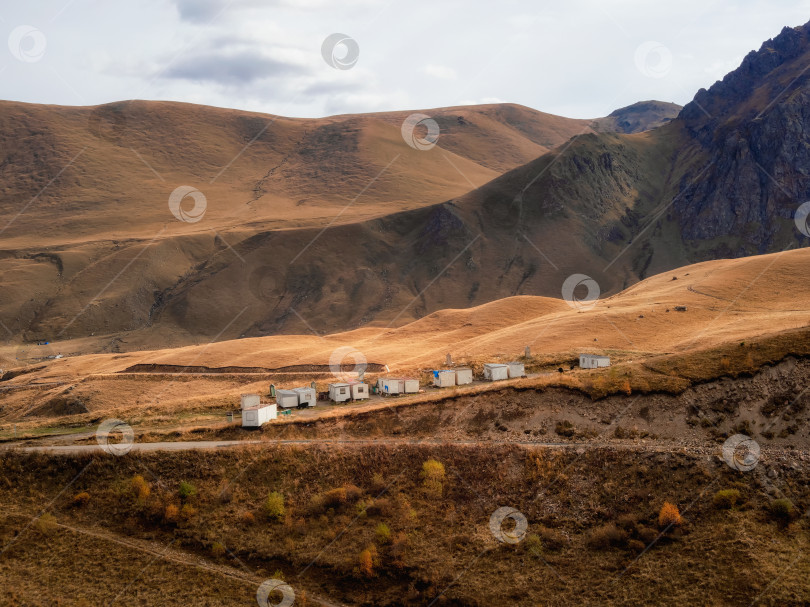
(638, 117)
(752, 131)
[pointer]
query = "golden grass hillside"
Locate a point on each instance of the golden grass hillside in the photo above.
(725, 301)
(728, 328)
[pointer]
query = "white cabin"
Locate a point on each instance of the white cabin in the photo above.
(516, 369)
(307, 397)
(593, 361)
(464, 376)
(444, 378)
(287, 399)
(410, 385)
(359, 390)
(340, 392)
(255, 417)
(391, 385)
(495, 371)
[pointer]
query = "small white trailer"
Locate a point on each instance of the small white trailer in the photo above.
(593, 361)
(256, 416)
(340, 392)
(391, 385)
(359, 390)
(516, 369)
(410, 385)
(464, 376)
(287, 399)
(495, 371)
(444, 378)
(306, 396)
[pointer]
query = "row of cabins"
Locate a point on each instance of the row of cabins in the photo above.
(255, 413)
(499, 371)
(354, 390)
(397, 385)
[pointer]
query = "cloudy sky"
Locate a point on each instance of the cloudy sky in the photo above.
(580, 58)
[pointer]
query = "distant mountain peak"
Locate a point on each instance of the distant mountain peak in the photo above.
(768, 69)
(637, 117)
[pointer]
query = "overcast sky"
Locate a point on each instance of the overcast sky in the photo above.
(579, 58)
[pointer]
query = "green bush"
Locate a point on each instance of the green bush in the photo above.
(274, 506)
(187, 490)
(383, 533)
(726, 499)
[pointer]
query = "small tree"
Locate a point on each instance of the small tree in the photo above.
(187, 490)
(669, 515)
(274, 506)
(172, 513)
(140, 487)
(433, 476)
(366, 564)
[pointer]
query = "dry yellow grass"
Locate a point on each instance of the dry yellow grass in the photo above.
(758, 302)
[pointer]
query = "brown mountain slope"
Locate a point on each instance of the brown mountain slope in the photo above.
(89, 244)
(409, 232)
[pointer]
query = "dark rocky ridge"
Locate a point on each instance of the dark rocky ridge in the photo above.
(752, 131)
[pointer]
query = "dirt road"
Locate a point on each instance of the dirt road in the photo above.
(227, 444)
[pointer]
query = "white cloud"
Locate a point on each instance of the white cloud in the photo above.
(575, 59)
(442, 72)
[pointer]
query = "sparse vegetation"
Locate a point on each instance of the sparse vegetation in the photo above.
(366, 561)
(186, 490)
(46, 524)
(669, 515)
(782, 511)
(81, 499)
(607, 536)
(433, 477)
(417, 538)
(383, 533)
(140, 488)
(218, 550)
(725, 499)
(274, 506)
(565, 428)
(172, 514)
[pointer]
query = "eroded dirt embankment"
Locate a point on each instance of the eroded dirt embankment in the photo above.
(771, 406)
